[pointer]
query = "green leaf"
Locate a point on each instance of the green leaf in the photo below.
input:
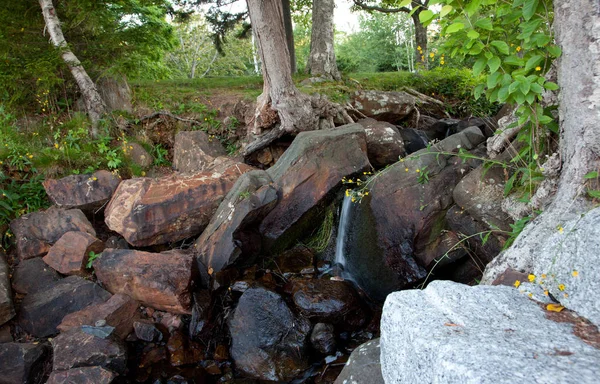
(535, 87)
(509, 184)
(446, 9)
(593, 193)
(473, 34)
(533, 62)
(525, 86)
(513, 87)
(503, 94)
(520, 99)
(530, 98)
(453, 28)
(479, 66)
(545, 120)
(484, 24)
(472, 7)
(404, 3)
(501, 46)
(529, 8)
(426, 16)
(513, 60)
(591, 175)
(493, 79)
(554, 50)
(550, 86)
(478, 91)
(494, 64)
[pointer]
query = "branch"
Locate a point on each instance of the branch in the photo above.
(362, 5)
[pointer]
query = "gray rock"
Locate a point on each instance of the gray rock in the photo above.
(32, 275)
(385, 106)
(194, 151)
(22, 363)
(453, 333)
(363, 366)
(384, 142)
(7, 310)
(83, 375)
(139, 156)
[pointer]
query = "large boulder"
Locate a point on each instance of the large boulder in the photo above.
(23, 363)
(194, 151)
(395, 231)
(33, 275)
(163, 281)
(83, 375)
(392, 107)
(156, 211)
(42, 311)
(86, 192)
(71, 252)
(7, 310)
(231, 232)
(453, 333)
(363, 365)
(36, 232)
(308, 174)
(384, 142)
(268, 341)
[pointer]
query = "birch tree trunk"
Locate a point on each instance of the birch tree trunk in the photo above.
(321, 61)
(94, 104)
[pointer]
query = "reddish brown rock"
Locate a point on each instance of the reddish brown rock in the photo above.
(69, 255)
(22, 363)
(120, 312)
(384, 142)
(32, 275)
(385, 106)
(159, 280)
(194, 151)
(157, 211)
(182, 351)
(36, 232)
(85, 192)
(308, 174)
(84, 375)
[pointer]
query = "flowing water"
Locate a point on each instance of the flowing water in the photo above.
(342, 233)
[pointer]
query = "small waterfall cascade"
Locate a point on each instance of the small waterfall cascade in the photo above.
(342, 233)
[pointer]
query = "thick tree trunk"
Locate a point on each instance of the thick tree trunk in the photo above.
(421, 40)
(576, 26)
(93, 102)
(321, 62)
(289, 33)
(280, 96)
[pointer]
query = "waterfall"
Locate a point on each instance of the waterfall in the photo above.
(342, 233)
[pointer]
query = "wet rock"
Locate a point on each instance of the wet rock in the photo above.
(32, 275)
(22, 363)
(363, 366)
(384, 106)
(86, 192)
(295, 260)
(159, 280)
(384, 142)
(232, 230)
(84, 375)
(200, 312)
(322, 338)
(329, 301)
(267, 341)
(36, 232)
(5, 334)
(42, 311)
(157, 211)
(182, 351)
(147, 331)
(78, 347)
(442, 250)
(119, 311)
(194, 151)
(69, 255)
(453, 333)
(309, 174)
(404, 216)
(139, 156)
(7, 310)
(414, 140)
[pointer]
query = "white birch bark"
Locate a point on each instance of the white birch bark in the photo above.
(321, 61)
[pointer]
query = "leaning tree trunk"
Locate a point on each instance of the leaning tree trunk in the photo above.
(321, 61)
(576, 27)
(289, 33)
(94, 104)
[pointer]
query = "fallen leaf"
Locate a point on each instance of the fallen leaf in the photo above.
(554, 307)
(452, 325)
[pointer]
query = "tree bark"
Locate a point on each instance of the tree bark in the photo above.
(321, 61)
(93, 101)
(420, 40)
(289, 33)
(576, 27)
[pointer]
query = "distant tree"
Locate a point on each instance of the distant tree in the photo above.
(321, 61)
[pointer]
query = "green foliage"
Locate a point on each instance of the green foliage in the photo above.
(92, 257)
(160, 156)
(320, 238)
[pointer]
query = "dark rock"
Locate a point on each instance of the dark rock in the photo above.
(384, 106)
(384, 143)
(309, 174)
(69, 255)
(200, 312)
(509, 277)
(443, 249)
(116, 242)
(157, 211)
(22, 363)
(119, 311)
(31, 275)
(183, 351)
(5, 334)
(363, 366)
(487, 125)
(42, 311)
(80, 348)
(295, 260)
(138, 155)
(194, 151)
(37, 231)
(86, 192)
(84, 375)
(267, 341)
(7, 309)
(322, 338)
(159, 280)
(146, 330)
(329, 301)
(232, 230)
(442, 129)
(414, 140)
(425, 123)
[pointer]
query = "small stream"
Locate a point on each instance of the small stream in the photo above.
(342, 235)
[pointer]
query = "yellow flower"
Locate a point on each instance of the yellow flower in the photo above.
(575, 273)
(519, 49)
(546, 292)
(419, 48)
(418, 170)
(406, 169)
(561, 287)
(94, 178)
(30, 156)
(530, 295)
(353, 199)
(56, 145)
(543, 275)
(561, 230)
(143, 173)
(538, 68)
(517, 284)
(531, 278)
(432, 55)
(367, 193)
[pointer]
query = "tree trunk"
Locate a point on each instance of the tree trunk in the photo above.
(94, 104)
(280, 96)
(289, 33)
(576, 27)
(421, 40)
(321, 62)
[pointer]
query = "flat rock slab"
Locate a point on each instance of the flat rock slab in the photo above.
(7, 310)
(84, 375)
(157, 211)
(36, 232)
(22, 363)
(163, 281)
(42, 311)
(363, 365)
(385, 106)
(86, 192)
(31, 275)
(69, 255)
(454, 333)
